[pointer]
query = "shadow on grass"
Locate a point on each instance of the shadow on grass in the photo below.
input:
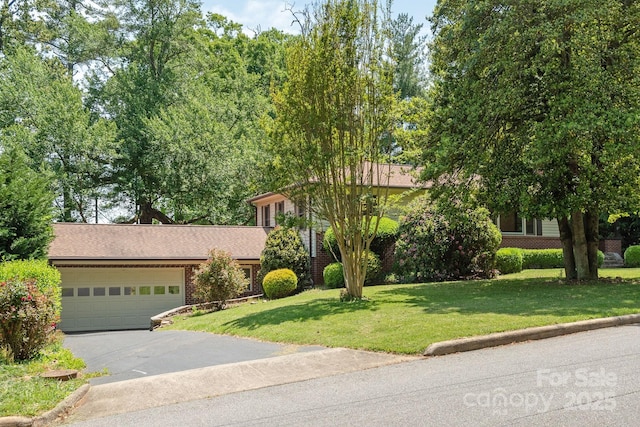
(304, 311)
(521, 297)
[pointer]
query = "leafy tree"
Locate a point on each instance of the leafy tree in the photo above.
(407, 50)
(42, 111)
(535, 107)
(26, 203)
(332, 115)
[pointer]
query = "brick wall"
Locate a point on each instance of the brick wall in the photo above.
(531, 242)
(611, 245)
(321, 260)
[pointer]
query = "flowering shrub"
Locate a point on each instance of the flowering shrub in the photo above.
(219, 279)
(28, 316)
(446, 242)
(279, 283)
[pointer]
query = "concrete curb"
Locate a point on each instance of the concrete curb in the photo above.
(537, 333)
(48, 417)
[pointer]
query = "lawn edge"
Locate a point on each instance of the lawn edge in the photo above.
(61, 409)
(527, 334)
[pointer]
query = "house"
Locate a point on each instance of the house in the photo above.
(116, 276)
(516, 231)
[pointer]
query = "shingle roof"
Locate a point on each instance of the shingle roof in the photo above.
(75, 241)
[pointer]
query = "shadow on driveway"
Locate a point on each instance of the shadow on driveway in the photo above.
(135, 354)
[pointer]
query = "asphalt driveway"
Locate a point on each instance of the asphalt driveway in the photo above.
(136, 354)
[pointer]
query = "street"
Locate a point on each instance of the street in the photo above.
(585, 379)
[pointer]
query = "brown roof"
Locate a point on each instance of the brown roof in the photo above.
(75, 241)
(400, 176)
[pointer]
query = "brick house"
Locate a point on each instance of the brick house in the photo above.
(116, 276)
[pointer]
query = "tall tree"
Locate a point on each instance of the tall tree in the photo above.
(42, 112)
(408, 53)
(333, 114)
(535, 105)
(25, 207)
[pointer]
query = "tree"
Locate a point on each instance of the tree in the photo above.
(535, 107)
(332, 116)
(26, 203)
(407, 49)
(42, 112)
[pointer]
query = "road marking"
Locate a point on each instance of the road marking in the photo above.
(142, 372)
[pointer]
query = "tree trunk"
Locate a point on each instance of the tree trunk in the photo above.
(67, 205)
(148, 213)
(593, 239)
(580, 246)
(567, 249)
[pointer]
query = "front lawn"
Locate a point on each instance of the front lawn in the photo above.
(24, 392)
(407, 318)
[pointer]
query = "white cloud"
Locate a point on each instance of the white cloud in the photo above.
(256, 14)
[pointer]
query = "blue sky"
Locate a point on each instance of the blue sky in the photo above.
(265, 14)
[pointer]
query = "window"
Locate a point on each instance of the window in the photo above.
(83, 292)
(174, 290)
(145, 290)
(510, 223)
(98, 292)
(300, 210)
(114, 291)
(67, 292)
(266, 216)
(247, 274)
(279, 209)
(159, 290)
(129, 290)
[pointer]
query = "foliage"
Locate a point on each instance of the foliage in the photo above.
(333, 275)
(547, 258)
(284, 249)
(44, 276)
(28, 316)
(407, 51)
(42, 112)
(535, 107)
(407, 318)
(374, 269)
(446, 241)
(632, 256)
(384, 237)
(333, 115)
(25, 393)
(509, 260)
(219, 279)
(279, 283)
(25, 208)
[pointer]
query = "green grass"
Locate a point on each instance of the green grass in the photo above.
(24, 392)
(407, 318)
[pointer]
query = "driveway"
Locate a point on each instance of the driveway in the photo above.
(135, 354)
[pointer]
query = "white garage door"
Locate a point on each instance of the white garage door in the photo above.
(117, 298)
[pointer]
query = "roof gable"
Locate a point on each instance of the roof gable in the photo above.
(78, 241)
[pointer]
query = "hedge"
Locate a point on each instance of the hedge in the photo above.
(541, 258)
(632, 256)
(509, 260)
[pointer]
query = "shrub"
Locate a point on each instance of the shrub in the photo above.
(29, 306)
(632, 256)
(385, 237)
(284, 249)
(542, 258)
(509, 260)
(446, 241)
(27, 317)
(374, 269)
(547, 258)
(333, 275)
(219, 279)
(45, 277)
(279, 283)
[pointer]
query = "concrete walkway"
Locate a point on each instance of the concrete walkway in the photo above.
(143, 393)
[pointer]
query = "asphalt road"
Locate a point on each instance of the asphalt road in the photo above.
(128, 355)
(586, 379)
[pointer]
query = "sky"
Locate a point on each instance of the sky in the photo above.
(265, 14)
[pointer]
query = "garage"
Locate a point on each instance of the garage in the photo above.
(117, 298)
(116, 276)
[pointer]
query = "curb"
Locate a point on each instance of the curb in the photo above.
(48, 417)
(536, 333)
